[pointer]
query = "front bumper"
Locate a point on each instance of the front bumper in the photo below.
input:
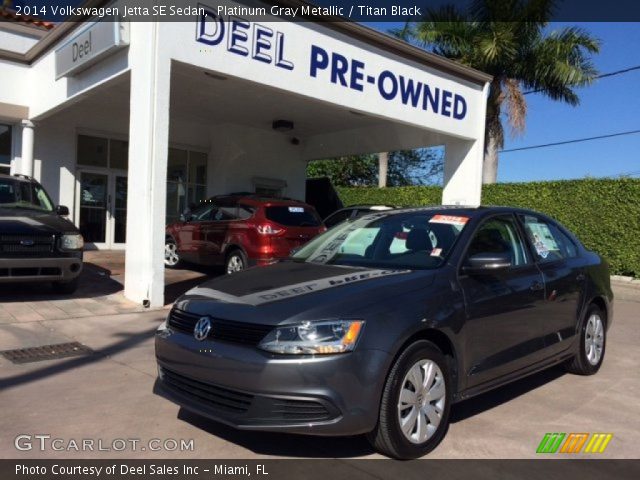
(249, 389)
(56, 269)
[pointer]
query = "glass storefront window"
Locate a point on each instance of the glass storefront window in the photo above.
(119, 154)
(5, 148)
(93, 151)
(177, 165)
(186, 181)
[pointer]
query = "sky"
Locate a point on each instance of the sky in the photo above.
(610, 105)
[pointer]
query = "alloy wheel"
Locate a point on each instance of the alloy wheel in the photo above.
(594, 339)
(422, 401)
(171, 257)
(235, 264)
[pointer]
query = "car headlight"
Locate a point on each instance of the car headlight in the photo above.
(71, 241)
(323, 337)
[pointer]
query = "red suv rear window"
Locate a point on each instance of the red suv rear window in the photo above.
(292, 216)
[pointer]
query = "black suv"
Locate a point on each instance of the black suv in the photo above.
(36, 243)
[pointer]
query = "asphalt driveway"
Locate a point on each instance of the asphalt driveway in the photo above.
(107, 396)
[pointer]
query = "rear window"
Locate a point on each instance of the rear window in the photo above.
(292, 216)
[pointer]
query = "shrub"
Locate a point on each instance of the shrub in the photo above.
(603, 213)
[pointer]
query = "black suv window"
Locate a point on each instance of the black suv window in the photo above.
(21, 194)
(548, 242)
(292, 216)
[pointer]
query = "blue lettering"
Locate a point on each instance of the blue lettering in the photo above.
(280, 60)
(410, 91)
(387, 95)
(238, 34)
(430, 99)
(459, 113)
(319, 60)
(339, 66)
(208, 35)
(261, 42)
(446, 103)
(357, 75)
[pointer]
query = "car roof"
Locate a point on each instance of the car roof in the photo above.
(465, 210)
(18, 177)
(258, 200)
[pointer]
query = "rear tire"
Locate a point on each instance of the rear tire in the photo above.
(236, 261)
(66, 288)
(416, 401)
(171, 256)
(591, 343)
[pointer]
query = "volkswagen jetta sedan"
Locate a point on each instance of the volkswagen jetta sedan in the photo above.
(381, 324)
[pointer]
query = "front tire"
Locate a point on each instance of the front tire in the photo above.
(236, 262)
(592, 343)
(416, 401)
(171, 256)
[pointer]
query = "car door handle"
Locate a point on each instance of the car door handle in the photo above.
(536, 286)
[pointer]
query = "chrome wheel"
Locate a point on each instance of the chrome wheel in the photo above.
(422, 401)
(235, 263)
(594, 339)
(171, 257)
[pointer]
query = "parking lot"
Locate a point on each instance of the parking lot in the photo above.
(107, 396)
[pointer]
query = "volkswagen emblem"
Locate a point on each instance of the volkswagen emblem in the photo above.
(202, 328)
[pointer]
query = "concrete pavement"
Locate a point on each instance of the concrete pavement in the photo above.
(108, 396)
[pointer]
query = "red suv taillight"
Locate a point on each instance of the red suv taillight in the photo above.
(268, 229)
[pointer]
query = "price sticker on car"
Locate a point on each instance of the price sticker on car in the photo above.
(449, 219)
(296, 209)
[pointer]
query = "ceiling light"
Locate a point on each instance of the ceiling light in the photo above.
(282, 125)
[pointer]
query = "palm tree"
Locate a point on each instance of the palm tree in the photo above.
(383, 167)
(509, 40)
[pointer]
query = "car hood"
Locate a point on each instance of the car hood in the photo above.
(291, 291)
(18, 221)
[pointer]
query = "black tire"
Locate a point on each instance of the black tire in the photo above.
(388, 438)
(171, 260)
(236, 261)
(580, 364)
(66, 288)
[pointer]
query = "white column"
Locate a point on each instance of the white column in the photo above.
(463, 161)
(463, 172)
(26, 160)
(148, 148)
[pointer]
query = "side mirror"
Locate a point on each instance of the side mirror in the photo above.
(62, 211)
(486, 263)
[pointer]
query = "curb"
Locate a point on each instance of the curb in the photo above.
(625, 288)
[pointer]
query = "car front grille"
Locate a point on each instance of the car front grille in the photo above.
(26, 245)
(221, 330)
(218, 398)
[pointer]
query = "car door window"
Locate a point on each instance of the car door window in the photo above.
(203, 213)
(549, 243)
(499, 235)
(227, 210)
(337, 217)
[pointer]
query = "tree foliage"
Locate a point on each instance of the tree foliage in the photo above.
(406, 167)
(509, 40)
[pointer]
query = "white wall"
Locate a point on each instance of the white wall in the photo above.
(238, 154)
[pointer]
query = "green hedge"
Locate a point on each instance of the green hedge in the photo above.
(604, 214)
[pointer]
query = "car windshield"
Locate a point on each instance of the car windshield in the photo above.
(412, 240)
(292, 216)
(20, 194)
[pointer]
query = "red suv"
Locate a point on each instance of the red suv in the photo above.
(239, 231)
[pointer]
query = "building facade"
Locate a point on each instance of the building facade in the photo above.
(127, 123)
